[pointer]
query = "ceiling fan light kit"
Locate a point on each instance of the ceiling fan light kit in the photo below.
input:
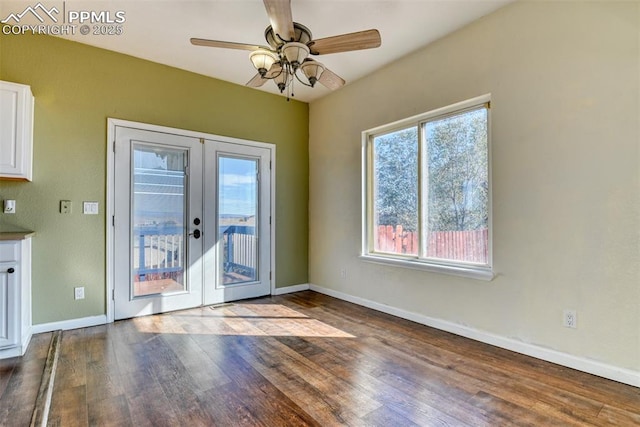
(282, 79)
(312, 69)
(295, 53)
(290, 45)
(263, 59)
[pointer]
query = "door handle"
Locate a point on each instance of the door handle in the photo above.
(196, 234)
(11, 270)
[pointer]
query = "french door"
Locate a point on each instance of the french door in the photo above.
(237, 199)
(191, 221)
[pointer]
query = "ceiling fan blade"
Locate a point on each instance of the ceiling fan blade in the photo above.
(226, 45)
(331, 80)
(258, 80)
(275, 69)
(346, 42)
(279, 12)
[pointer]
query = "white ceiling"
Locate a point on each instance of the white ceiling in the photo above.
(160, 30)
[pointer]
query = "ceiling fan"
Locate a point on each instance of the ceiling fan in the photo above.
(290, 45)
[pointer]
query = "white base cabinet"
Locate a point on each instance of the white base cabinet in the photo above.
(15, 297)
(16, 131)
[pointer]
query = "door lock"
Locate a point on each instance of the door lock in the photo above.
(196, 234)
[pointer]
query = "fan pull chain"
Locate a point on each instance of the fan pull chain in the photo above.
(292, 94)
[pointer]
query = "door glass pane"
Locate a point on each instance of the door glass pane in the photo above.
(237, 218)
(158, 220)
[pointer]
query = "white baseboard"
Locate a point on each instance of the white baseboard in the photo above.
(626, 376)
(291, 289)
(83, 322)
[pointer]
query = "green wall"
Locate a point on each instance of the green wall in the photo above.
(76, 88)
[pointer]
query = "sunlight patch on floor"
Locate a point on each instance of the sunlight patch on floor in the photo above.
(240, 319)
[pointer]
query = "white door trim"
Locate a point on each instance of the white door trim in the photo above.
(110, 202)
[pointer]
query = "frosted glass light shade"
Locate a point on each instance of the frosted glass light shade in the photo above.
(295, 53)
(281, 79)
(263, 60)
(313, 70)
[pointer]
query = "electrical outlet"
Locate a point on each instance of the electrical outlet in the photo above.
(9, 206)
(343, 273)
(78, 292)
(569, 319)
(65, 206)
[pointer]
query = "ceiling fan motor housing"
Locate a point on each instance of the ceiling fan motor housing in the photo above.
(302, 35)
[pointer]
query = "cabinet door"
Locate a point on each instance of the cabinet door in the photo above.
(16, 127)
(8, 305)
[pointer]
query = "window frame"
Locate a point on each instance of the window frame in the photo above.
(465, 269)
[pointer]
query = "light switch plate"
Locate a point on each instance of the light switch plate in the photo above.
(90, 208)
(9, 206)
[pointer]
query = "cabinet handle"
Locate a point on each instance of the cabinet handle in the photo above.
(11, 270)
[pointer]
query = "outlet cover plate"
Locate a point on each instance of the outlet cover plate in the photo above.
(569, 318)
(9, 206)
(65, 206)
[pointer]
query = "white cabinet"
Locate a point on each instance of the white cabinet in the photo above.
(8, 288)
(16, 131)
(15, 297)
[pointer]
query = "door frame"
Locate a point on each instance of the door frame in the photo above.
(110, 196)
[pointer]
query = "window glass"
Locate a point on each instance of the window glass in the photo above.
(395, 192)
(458, 187)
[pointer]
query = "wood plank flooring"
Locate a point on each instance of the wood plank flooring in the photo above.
(20, 379)
(302, 359)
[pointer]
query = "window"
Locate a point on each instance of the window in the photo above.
(427, 191)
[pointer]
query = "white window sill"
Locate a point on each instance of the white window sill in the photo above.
(473, 272)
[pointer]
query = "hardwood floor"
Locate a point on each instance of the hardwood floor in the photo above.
(303, 359)
(20, 379)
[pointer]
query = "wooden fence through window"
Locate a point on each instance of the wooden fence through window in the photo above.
(468, 246)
